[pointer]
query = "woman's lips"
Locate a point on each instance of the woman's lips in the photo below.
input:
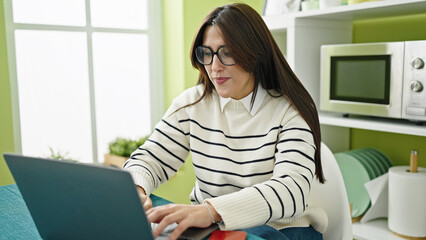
(221, 80)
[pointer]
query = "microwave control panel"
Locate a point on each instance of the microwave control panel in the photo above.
(414, 85)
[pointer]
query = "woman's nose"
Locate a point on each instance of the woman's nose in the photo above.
(216, 64)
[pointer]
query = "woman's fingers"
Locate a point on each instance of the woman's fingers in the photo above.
(166, 221)
(181, 227)
(184, 215)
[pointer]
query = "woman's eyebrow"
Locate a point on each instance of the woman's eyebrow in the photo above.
(211, 47)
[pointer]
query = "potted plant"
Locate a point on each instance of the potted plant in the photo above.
(120, 150)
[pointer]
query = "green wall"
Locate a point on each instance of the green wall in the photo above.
(402, 28)
(6, 126)
(396, 146)
(173, 51)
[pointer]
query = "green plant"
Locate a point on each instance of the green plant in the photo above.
(60, 156)
(124, 147)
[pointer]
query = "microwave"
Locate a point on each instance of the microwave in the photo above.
(375, 79)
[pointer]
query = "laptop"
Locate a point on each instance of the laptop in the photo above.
(70, 200)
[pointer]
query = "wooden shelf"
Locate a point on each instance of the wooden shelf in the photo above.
(373, 123)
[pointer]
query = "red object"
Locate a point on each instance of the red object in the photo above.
(228, 235)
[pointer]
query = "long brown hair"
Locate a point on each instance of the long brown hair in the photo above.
(250, 41)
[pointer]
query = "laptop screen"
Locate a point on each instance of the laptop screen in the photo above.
(79, 201)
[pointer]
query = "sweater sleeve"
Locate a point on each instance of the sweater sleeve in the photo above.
(285, 194)
(162, 154)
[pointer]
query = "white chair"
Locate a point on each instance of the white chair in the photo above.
(331, 196)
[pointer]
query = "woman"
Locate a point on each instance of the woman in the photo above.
(253, 133)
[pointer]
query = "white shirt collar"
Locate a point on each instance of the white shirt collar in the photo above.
(260, 95)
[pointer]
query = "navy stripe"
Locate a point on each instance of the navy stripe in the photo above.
(162, 163)
(296, 140)
(291, 194)
(295, 163)
(171, 139)
(201, 190)
(133, 157)
(125, 164)
(165, 149)
(299, 129)
(195, 195)
(301, 192)
(300, 152)
(232, 149)
(270, 208)
(228, 136)
(278, 196)
(177, 129)
(136, 154)
(233, 161)
(307, 180)
(140, 165)
(292, 140)
(232, 173)
(219, 185)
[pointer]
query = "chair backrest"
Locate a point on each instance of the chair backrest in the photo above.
(331, 196)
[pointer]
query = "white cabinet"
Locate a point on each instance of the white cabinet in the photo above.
(300, 36)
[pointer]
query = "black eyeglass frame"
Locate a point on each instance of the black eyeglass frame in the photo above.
(214, 53)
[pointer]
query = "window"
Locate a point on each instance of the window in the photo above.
(82, 73)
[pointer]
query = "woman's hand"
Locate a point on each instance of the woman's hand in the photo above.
(146, 200)
(185, 216)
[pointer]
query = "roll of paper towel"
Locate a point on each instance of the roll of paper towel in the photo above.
(407, 201)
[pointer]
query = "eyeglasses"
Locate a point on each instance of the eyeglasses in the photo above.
(205, 55)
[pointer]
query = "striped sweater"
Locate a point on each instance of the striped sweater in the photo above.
(255, 166)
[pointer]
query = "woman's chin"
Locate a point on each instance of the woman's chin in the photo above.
(224, 94)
